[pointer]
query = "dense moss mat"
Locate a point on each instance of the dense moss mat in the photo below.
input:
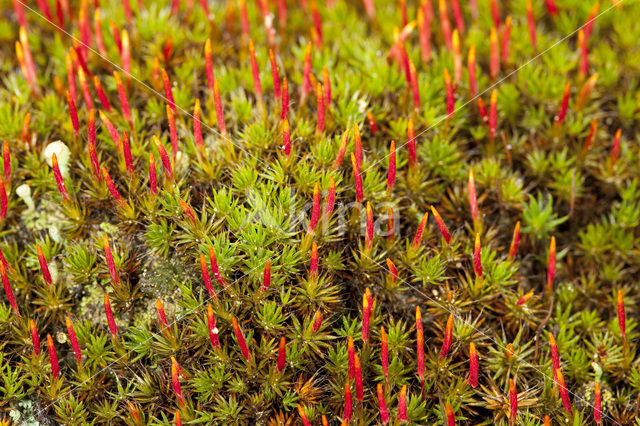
(185, 264)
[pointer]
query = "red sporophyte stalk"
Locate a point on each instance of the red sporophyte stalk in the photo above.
(4, 202)
(473, 366)
(588, 26)
(584, 54)
(286, 137)
(592, 134)
(241, 342)
(244, 17)
(164, 157)
(20, 11)
(74, 340)
(494, 61)
(275, 74)
(366, 316)
(213, 330)
(111, 186)
(418, 237)
(204, 269)
(384, 353)
(473, 201)
(368, 242)
(58, 176)
(357, 177)
(255, 72)
(415, 89)
(306, 75)
(84, 86)
(7, 289)
(116, 35)
(177, 420)
(457, 58)
(450, 94)
(622, 317)
(6, 159)
(326, 83)
(113, 328)
(162, 317)
(493, 114)
(471, 70)
(370, 8)
(513, 401)
(357, 145)
(126, 151)
(208, 64)
(313, 265)
(351, 355)
(317, 321)
(506, 37)
(551, 264)
(482, 109)
(31, 75)
(91, 136)
(97, 29)
(515, 240)
(35, 339)
(53, 358)
(113, 132)
(188, 211)
(266, 277)
(282, 13)
(531, 20)
(175, 380)
(564, 393)
(424, 32)
(393, 271)
(615, 148)
(348, 402)
(218, 106)
(597, 405)
(420, 346)
(441, 226)
(215, 269)
(43, 266)
(315, 209)
(457, 16)
(477, 262)
(444, 22)
(284, 102)
(197, 126)
(551, 7)
(411, 144)
(448, 337)
(382, 405)
(358, 378)
(303, 416)
(168, 91)
(586, 90)
(372, 124)
(173, 134)
(124, 101)
(564, 105)
(451, 418)
(108, 255)
(524, 299)
(320, 109)
(555, 357)
(495, 13)
(317, 24)
(331, 198)
(73, 113)
(282, 355)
